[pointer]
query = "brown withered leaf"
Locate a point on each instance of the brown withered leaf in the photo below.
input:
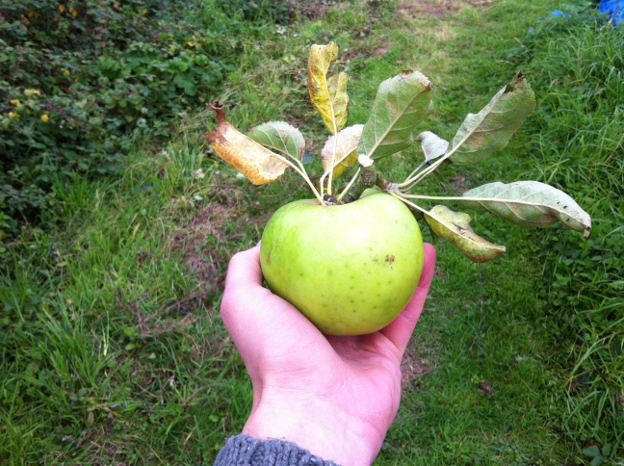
(253, 160)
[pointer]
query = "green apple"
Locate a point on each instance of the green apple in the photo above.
(350, 269)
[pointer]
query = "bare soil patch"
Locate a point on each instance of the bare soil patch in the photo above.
(459, 183)
(413, 366)
(310, 9)
(203, 241)
(438, 9)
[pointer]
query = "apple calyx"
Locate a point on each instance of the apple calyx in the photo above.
(330, 200)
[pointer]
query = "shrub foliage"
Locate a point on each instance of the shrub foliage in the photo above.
(80, 80)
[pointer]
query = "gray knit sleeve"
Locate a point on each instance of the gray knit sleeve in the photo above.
(244, 450)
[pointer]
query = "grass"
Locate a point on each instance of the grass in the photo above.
(112, 346)
(579, 149)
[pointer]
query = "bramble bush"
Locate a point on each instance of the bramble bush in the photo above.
(80, 81)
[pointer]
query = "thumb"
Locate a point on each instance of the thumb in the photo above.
(259, 321)
(400, 329)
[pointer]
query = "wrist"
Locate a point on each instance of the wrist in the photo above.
(326, 431)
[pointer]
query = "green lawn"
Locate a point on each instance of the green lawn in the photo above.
(113, 350)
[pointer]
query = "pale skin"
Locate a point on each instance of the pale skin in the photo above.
(334, 396)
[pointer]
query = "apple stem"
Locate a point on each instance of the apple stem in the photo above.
(369, 177)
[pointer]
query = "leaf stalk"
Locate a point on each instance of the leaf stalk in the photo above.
(350, 185)
(412, 181)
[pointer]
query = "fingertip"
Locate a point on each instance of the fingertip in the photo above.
(430, 250)
(244, 267)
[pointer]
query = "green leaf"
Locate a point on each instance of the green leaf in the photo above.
(329, 95)
(308, 157)
(400, 105)
(598, 460)
(528, 203)
(280, 136)
(455, 228)
(490, 130)
(345, 150)
(592, 451)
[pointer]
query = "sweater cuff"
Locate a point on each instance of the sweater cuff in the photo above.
(243, 450)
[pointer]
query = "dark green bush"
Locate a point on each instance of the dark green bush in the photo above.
(79, 81)
(576, 66)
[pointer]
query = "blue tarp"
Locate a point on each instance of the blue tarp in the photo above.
(560, 13)
(615, 8)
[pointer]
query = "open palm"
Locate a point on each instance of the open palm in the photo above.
(335, 396)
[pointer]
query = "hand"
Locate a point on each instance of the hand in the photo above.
(334, 396)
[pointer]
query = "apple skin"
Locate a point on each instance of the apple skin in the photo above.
(350, 269)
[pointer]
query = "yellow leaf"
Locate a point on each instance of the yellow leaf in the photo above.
(455, 228)
(16, 102)
(329, 95)
(346, 148)
(14, 115)
(31, 92)
(256, 162)
(61, 8)
(337, 87)
(45, 118)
